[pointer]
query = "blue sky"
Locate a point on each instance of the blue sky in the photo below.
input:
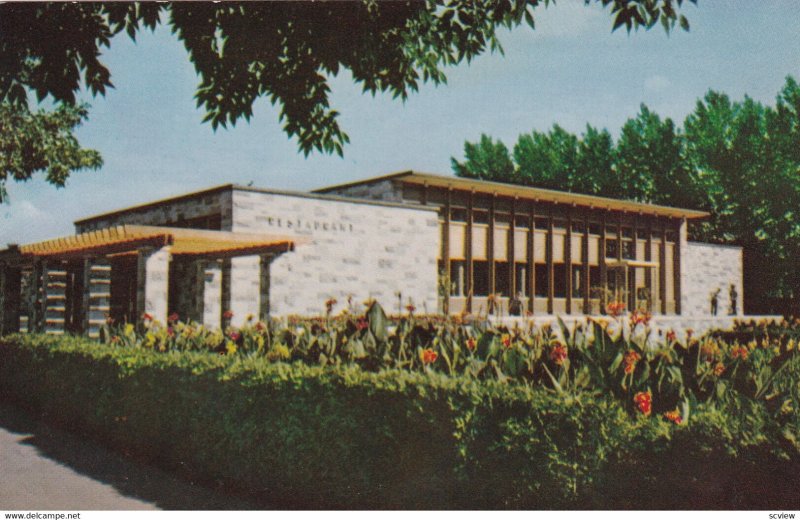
(571, 70)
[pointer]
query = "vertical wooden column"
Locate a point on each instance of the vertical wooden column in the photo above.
(648, 256)
(264, 285)
(549, 261)
(633, 298)
(85, 277)
(662, 269)
(676, 267)
(490, 246)
(225, 291)
(511, 251)
(531, 262)
(601, 260)
(568, 261)
(619, 238)
(468, 255)
(587, 309)
(199, 289)
(446, 251)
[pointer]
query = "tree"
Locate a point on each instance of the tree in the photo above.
(283, 51)
(42, 141)
(547, 160)
(596, 155)
(650, 163)
(486, 160)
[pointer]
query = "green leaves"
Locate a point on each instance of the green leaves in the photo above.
(285, 52)
(42, 141)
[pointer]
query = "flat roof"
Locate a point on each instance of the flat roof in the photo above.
(525, 192)
(235, 187)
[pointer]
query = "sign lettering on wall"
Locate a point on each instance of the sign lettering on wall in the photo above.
(310, 225)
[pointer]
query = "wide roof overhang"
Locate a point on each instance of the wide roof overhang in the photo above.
(528, 193)
(128, 239)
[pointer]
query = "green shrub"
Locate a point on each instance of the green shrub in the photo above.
(335, 436)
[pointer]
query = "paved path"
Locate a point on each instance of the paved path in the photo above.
(42, 468)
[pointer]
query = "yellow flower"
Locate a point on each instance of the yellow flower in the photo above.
(230, 347)
(129, 329)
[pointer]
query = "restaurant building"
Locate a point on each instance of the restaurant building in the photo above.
(441, 243)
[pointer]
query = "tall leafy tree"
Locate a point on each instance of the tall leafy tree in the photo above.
(548, 160)
(282, 51)
(594, 173)
(486, 160)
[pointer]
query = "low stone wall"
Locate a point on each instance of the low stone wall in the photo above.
(659, 324)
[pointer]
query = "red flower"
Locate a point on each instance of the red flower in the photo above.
(147, 317)
(631, 358)
(739, 352)
(671, 336)
(227, 314)
(638, 317)
(362, 323)
(558, 353)
(410, 308)
(260, 326)
(644, 401)
(235, 336)
(173, 317)
(429, 356)
(506, 340)
(170, 332)
(471, 344)
(674, 417)
(615, 308)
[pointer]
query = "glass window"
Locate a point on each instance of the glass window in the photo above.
(541, 280)
(611, 248)
(501, 282)
(628, 250)
(480, 282)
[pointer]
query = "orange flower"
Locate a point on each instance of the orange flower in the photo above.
(719, 369)
(631, 358)
(739, 352)
(644, 401)
(638, 317)
(615, 308)
(471, 344)
(674, 416)
(558, 353)
(429, 356)
(506, 339)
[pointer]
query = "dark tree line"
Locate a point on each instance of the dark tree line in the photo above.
(738, 160)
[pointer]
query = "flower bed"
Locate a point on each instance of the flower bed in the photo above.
(349, 411)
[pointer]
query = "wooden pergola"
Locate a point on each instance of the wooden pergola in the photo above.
(70, 284)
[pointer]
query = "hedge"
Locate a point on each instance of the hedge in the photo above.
(299, 436)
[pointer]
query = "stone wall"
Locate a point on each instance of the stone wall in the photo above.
(385, 190)
(214, 202)
(706, 268)
(352, 248)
